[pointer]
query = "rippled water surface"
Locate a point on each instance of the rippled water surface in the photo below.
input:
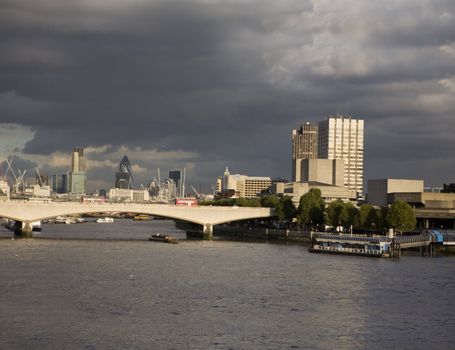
(104, 286)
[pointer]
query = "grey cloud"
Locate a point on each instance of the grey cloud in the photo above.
(228, 80)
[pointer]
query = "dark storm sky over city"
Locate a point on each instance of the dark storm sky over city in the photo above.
(209, 83)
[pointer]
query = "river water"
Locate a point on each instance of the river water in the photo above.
(104, 286)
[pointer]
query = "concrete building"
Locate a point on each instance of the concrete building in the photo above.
(329, 193)
(327, 171)
(304, 146)
(77, 178)
(342, 138)
(4, 190)
(378, 190)
(38, 191)
(243, 185)
(432, 209)
(128, 195)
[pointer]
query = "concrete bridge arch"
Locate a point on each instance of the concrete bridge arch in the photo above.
(206, 216)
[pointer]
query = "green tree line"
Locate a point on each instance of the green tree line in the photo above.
(312, 212)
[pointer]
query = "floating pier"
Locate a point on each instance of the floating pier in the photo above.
(427, 242)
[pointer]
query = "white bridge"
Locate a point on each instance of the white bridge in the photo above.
(206, 216)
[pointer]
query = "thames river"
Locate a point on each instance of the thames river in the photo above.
(104, 286)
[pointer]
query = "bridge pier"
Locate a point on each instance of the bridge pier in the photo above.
(24, 229)
(207, 232)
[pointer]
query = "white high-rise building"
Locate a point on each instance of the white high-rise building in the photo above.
(341, 137)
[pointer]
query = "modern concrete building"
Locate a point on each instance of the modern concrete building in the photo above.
(304, 146)
(329, 193)
(327, 171)
(128, 195)
(379, 189)
(77, 178)
(4, 190)
(432, 209)
(245, 186)
(342, 137)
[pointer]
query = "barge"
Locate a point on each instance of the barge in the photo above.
(351, 245)
(158, 237)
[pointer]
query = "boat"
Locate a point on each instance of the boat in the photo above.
(141, 217)
(350, 245)
(105, 220)
(158, 237)
(70, 221)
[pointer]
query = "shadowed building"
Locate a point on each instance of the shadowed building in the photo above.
(176, 176)
(124, 177)
(304, 146)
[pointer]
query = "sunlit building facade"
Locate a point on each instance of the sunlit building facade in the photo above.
(342, 137)
(77, 178)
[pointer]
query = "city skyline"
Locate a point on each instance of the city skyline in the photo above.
(205, 84)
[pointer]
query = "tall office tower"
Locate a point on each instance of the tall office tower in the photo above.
(77, 178)
(342, 138)
(176, 176)
(124, 177)
(78, 160)
(304, 146)
(60, 183)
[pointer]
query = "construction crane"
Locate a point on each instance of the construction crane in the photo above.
(40, 179)
(197, 193)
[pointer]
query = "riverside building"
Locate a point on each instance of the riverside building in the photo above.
(341, 137)
(304, 146)
(243, 186)
(329, 156)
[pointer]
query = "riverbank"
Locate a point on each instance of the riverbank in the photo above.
(262, 234)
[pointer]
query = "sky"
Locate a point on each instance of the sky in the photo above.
(205, 84)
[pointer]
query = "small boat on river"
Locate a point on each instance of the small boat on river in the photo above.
(158, 237)
(105, 220)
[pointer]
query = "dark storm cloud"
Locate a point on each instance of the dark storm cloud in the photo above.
(227, 81)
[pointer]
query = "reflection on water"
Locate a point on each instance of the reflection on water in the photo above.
(104, 286)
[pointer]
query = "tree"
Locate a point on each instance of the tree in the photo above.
(382, 218)
(335, 214)
(341, 213)
(311, 208)
(270, 201)
(289, 209)
(350, 215)
(368, 217)
(401, 216)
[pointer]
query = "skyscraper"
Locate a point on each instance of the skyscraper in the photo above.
(77, 178)
(341, 137)
(176, 176)
(124, 177)
(304, 146)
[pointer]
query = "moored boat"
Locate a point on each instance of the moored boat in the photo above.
(158, 237)
(105, 220)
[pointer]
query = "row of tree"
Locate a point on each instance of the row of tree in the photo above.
(313, 212)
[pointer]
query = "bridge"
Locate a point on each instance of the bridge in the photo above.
(206, 216)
